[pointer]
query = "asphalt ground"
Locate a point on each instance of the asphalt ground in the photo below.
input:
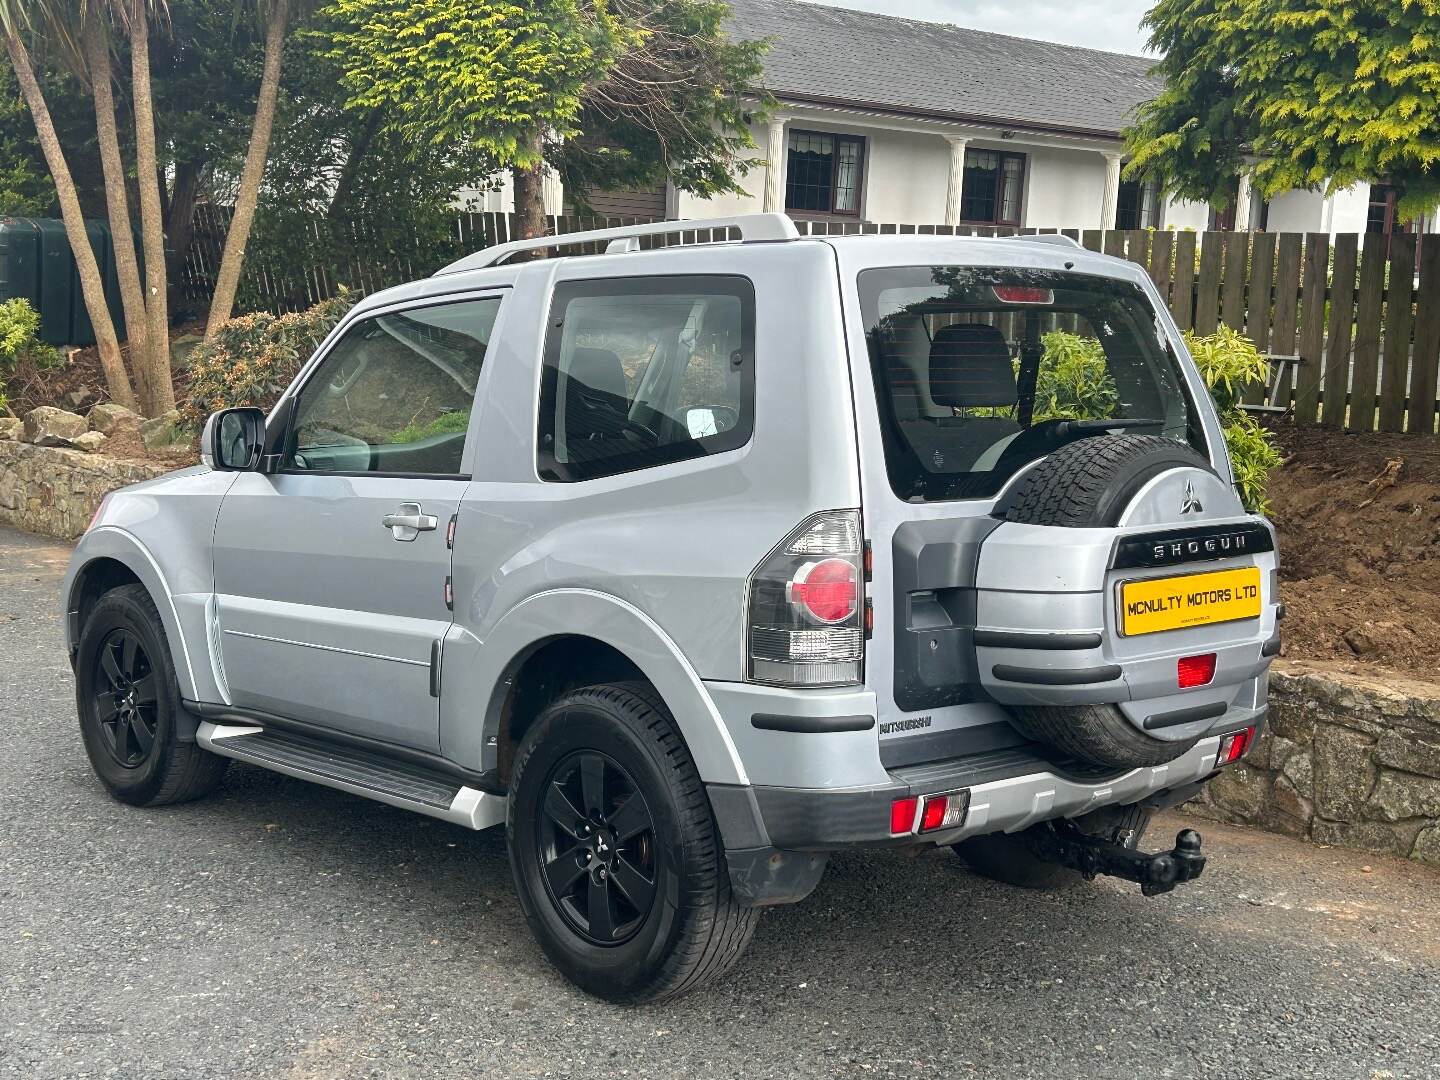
(279, 929)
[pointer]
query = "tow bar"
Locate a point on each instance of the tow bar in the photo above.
(1092, 856)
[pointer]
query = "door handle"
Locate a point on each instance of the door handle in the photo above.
(408, 521)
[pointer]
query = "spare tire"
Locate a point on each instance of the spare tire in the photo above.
(1089, 484)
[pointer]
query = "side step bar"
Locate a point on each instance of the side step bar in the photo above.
(359, 773)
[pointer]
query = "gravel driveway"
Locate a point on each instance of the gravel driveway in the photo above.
(284, 930)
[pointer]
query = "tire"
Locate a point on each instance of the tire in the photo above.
(1009, 859)
(1089, 483)
(1099, 734)
(691, 930)
(128, 703)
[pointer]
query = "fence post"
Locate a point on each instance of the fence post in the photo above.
(1395, 373)
(1237, 267)
(1369, 311)
(1207, 290)
(1312, 327)
(1423, 370)
(1341, 330)
(1182, 296)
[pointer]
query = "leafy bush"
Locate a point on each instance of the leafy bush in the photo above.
(1074, 384)
(20, 345)
(1230, 363)
(253, 358)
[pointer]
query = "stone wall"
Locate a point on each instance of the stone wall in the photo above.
(55, 491)
(1351, 760)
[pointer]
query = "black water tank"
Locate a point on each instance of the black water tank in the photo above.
(36, 263)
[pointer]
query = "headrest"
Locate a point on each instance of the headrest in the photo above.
(970, 367)
(598, 370)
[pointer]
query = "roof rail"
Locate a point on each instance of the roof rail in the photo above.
(627, 238)
(1050, 238)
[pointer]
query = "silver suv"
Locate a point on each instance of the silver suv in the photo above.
(695, 563)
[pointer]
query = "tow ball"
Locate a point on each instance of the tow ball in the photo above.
(1094, 855)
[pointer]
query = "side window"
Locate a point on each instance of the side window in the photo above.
(394, 395)
(644, 371)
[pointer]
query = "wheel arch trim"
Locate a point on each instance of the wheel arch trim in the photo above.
(111, 542)
(485, 668)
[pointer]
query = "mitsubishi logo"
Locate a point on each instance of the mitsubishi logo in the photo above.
(1191, 505)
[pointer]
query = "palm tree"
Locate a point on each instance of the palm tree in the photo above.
(94, 66)
(227, 279)
(152, 221)
(14, 17)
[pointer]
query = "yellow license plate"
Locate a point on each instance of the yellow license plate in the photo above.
(1174, 603)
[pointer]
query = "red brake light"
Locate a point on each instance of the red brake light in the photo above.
(1195, 670)
(825, 590)
(1023, 294)
(944, 811)
(902, 815)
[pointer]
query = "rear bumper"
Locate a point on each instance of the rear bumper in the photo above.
(1009, 790)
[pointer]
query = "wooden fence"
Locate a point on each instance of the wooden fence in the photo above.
(1362, 313)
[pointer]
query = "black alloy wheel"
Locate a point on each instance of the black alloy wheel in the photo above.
(126, 698)
(597, 843)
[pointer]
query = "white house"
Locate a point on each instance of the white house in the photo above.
(894, 120)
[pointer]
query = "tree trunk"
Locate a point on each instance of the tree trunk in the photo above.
(180, 217)
(152, 217)
(528, 186)
(88, 270)
(227, 280)
(359, 153)
(95, 45)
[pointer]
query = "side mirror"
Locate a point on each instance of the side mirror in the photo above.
(233, 440)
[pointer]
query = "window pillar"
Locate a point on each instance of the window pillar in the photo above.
(1242, 204)
(776, 154)
(1110, 204)
(958, 143)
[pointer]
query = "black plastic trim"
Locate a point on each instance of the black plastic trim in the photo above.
(1014, 639)
(1176, 547)
(1177, 717)
(811, 725)
(1057, 676)
(1272, 647)
(488, 781)
(898, 752)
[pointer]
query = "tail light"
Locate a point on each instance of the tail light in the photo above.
(805, 625)
(1234, 747)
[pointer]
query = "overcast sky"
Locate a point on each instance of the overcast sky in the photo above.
(1098, 24)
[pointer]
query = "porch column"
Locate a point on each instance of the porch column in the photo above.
(775, 154)
(1110, 205)
(958, 143)
(1242, 204)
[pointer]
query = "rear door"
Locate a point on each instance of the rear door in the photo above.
(332, 573)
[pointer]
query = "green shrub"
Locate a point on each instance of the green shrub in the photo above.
(253, 358)
(20, 345)
(1230, 364)
(1073, 382)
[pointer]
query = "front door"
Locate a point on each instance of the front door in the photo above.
(331, 574)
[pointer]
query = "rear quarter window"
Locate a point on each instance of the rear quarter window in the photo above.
(640, 372)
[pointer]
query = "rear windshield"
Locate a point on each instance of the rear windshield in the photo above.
(980, 371)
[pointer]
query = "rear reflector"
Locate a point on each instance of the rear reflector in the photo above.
(1196, 670)
(1234, 747)
(902, 815)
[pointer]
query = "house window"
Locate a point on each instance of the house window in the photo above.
(822, 175)
(1382, 217)
(993, 188)
(1139, 206)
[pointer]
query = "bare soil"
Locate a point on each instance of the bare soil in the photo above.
(1359, 524)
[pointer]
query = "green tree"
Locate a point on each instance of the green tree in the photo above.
(25, 188)
(1315, 92)
(609, 92)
